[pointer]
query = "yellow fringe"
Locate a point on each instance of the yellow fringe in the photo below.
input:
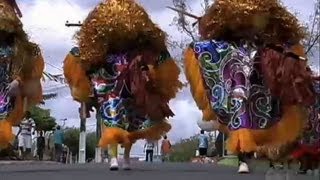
(119, 136)
(76, 78)
(6, 135)
(285, 131)
(197, 87)
(153, 133)
(166, 79)
(113, 136)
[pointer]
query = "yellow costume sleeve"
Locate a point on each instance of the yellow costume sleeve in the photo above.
(77, 79)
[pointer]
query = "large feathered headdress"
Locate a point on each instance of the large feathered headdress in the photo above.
(117, 25)
(266, 20)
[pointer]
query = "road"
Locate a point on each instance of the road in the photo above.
(141, 171)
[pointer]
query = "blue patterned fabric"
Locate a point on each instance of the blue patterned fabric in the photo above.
(229, 70)
(5, 51)
(6, 104)
(114, 94)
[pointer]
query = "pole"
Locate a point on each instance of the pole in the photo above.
(98, 152)
(64, 122)
(82, 139)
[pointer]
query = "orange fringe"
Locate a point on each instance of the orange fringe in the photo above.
(6, 135)
(197, 87)
(119, 136)
(285, 131)
(17, 113)
(166, 79)
(76, 78)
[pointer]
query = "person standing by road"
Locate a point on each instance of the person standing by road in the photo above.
(58, 143)
(165, 148)
(203, 145)
(27, 128)
(40, 146)
(148, 148)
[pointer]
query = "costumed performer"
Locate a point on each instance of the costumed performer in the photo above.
(21, 68)
(308, 150)
(249, 72)
(123, 69)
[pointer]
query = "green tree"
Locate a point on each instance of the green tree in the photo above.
(184, 150)
(91, 142)
(71, 139)
(43, 120)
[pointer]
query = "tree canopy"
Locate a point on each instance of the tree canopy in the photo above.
(71, 139)
(43, 120)
(185, 150)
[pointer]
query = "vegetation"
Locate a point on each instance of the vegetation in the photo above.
(185, 150)
(43, 120)
(71, 139)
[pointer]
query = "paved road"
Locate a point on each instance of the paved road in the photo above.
(141, 171)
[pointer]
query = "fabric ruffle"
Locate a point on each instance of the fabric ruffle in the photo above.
(246, 140)
(6, 135)
(120, 136)
(287, 76)
(152, 95)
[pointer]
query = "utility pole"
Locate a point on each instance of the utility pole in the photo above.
(63, 122)
(83, 116)
(82, 139)
(98, 152)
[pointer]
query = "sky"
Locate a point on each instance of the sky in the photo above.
(44, 21)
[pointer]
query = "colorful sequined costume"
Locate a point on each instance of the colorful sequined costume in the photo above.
(122, 68)
(21, 67)
(250, 73)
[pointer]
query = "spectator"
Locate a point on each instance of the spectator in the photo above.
(50, 144)
(203, 145)
(148, 149)
(58, 143)
(40, 146)
(25, 135)
(165, 148)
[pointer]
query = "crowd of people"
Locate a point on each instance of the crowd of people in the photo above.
(165, 149)
(30, 143)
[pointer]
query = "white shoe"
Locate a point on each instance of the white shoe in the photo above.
(243, 168)
(114, 164)
(126, 165)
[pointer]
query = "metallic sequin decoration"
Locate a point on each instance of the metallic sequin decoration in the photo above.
(114, 24)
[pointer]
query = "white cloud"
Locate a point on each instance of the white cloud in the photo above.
(44, 21)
